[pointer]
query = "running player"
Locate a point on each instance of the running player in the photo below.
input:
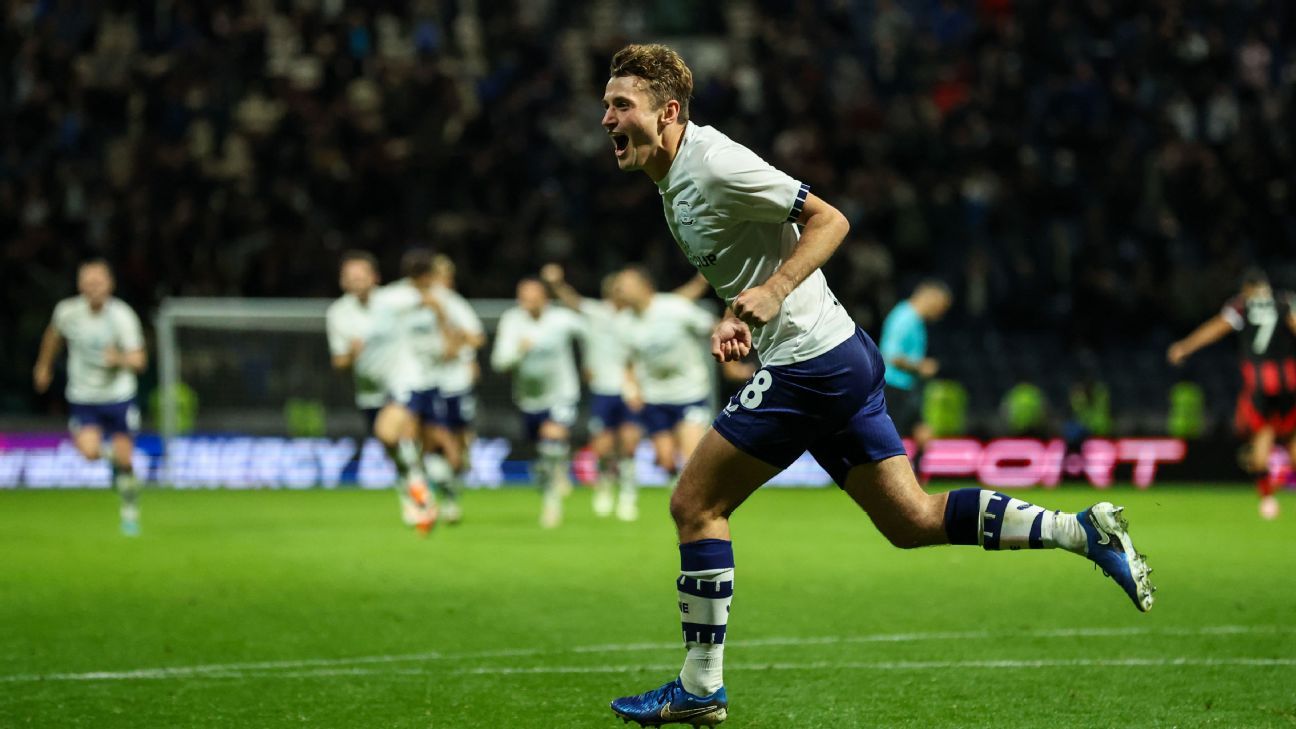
(613, 427)
(432, 334)
(1266, 408)
(534, 343)
(105, 354)
(664, 334)
(819, 388)
(904, 351)
(348, 324)
(459, 374)
(407, 332)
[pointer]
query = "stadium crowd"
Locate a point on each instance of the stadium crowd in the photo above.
(1098, 169)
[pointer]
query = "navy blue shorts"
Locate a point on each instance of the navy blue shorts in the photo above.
(832, 405)
(659, 418)
(111, 418)
(426, 405)
(564, 415)
(457, 412)
(608, 412)
(370, 417)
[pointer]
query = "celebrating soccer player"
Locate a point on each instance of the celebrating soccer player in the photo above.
(406, 329)
(534, 343)
(1266, 326)
(819, 388)
(348, 322)
(459, 373)
(105, 353)
(614, 430)
(669, 364)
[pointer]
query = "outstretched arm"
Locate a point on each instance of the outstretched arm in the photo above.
(551, 274)
(824, 228)
(509, 346)
(694, 289)
(43, 373)
(1213, 330)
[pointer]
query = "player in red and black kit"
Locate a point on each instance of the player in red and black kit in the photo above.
(1266, 324)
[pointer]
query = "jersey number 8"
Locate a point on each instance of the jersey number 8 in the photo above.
(754, 393)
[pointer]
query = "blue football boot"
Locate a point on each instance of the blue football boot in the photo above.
(671, 704)
(1109, 546)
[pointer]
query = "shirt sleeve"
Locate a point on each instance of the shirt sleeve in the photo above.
(699, 320)
(505, 354)
(460, 313)
(1234, 312)
(578, 327)
(893, 336)
(741, 185)
(60, 318)
(129, 331)
(471, 322)
(337, 339)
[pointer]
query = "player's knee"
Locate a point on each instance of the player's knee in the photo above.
(686, 511)
(920, 524)
(89, 447)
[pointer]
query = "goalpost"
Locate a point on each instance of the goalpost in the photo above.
(245, 373)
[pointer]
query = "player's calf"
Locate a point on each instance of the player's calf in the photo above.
(996, 521)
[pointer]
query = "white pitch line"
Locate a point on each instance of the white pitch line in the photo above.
(239, 669)
(906, 665)
(783, 666)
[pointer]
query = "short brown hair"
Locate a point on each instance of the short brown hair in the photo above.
(416, 262)
(442, 264)
(355, 254)
(661, 68)
(96, 261)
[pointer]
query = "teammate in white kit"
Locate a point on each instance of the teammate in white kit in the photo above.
(105, 353)
(669, 363)
(348, 323)
(819, 387)
(534, 344)
(436, 330)
(407, 332)
(459, 373)
(613, 426)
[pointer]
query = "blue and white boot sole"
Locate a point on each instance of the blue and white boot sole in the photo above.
(1108, 520)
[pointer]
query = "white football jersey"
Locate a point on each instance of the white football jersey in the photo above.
(89, 334)
(671, 363)
(544, 376)
(423, 327)
(392, 353)
(603, 351)
(457, 371)
(348, 319)
(734, 217)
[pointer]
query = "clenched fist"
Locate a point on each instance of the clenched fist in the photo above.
(757, 306)
(731, 341)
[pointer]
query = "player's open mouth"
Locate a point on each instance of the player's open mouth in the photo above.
(621, 143)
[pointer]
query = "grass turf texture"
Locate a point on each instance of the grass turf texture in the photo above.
(276, 609)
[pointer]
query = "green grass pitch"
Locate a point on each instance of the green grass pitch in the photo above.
(278, 609)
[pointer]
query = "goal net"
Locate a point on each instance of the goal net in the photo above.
(247, 397)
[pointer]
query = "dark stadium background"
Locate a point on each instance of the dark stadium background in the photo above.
(1091, 177)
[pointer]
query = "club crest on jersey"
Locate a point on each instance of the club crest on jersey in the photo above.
(682, 213)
